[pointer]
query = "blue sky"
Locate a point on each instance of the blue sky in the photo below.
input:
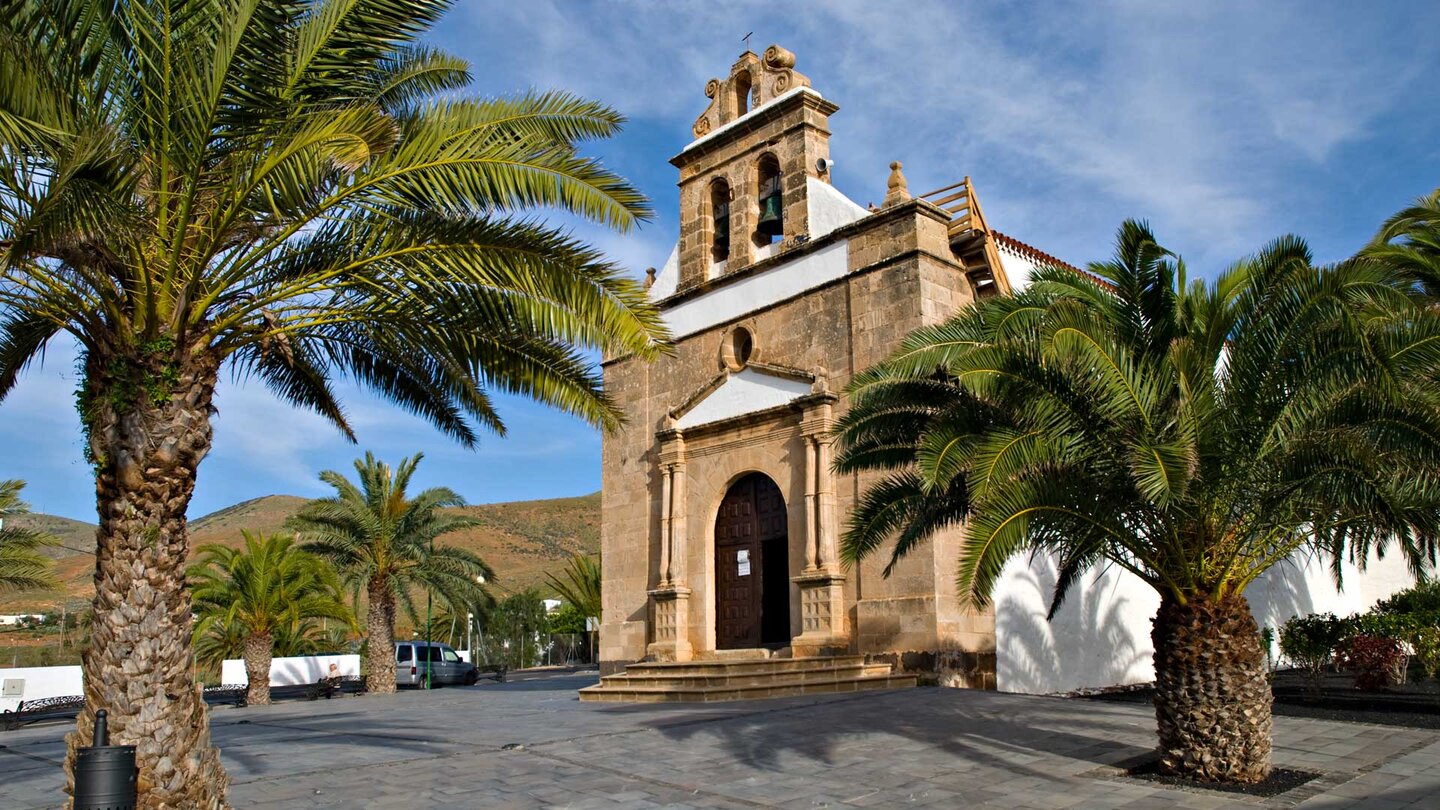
(1223, 124)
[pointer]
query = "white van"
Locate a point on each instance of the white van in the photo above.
(414, 658)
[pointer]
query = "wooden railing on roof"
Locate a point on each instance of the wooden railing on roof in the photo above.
(959, 200)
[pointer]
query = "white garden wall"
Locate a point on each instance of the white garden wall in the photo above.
(34, 683)
(292, 671)
(1101, 636)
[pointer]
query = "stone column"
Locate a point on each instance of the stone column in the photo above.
(667, 492)
(823, 628)
(670, 600)
(812, 528)
(826, 557)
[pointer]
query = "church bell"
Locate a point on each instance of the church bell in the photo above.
(722, 225)
(770, 222)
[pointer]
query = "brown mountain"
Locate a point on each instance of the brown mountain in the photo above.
(521, 540)
(75, 536)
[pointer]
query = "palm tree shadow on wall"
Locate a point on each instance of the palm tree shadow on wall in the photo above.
(1094, 639)
(1278, 594)
(1101, 635)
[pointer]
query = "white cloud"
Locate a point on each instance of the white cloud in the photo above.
(259, 436)
(1069, 117)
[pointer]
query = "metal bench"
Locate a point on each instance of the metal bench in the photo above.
(30, 711)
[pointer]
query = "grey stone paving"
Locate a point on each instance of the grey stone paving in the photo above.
(531, 744)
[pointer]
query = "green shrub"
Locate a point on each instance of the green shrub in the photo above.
(1310, 641)
(1413, 616)
(1394, 625)
(1426, 642)
(1267, 640)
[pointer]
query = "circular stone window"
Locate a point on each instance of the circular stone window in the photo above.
(736, 349)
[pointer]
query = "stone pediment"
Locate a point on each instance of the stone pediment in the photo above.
(755, 388)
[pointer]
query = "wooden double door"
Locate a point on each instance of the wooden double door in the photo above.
(752, 566)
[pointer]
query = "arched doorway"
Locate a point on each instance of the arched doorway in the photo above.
(752, 566)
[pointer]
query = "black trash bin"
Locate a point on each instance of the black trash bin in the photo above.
(105, 774)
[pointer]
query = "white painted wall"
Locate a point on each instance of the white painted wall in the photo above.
(35, 683)
(748, 294)
(1017, 267)
(828, 209)
(295, 671)
(668, 278)
(1101, 636)
(10, 620)
(745, 391)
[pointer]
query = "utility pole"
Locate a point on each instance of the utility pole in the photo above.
(429, 651)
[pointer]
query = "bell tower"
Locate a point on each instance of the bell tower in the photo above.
(744, 179)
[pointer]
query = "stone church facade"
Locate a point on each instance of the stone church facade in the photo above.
(720, 510)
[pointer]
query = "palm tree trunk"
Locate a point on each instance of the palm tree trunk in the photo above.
(258, 651)
(1212, 697)
(147, 445)
(380, 647)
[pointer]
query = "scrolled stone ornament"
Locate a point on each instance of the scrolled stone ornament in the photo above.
(777, 57)
(702, 126)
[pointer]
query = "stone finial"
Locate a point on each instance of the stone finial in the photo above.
(649, 278)
(896, 191)
(821, 385)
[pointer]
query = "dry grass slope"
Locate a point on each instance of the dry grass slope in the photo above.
(521, 540)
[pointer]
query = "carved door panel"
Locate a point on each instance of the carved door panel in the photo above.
(752, 512)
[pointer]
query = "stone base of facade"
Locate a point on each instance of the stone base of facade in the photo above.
(954, 668)
(672, 616)
(823, 628)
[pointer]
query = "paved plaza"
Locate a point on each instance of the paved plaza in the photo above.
(530, 743)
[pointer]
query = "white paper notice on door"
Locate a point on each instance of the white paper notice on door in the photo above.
(742, 561)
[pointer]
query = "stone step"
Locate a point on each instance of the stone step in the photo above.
(813, 674)
(745, 667)
(862, 683)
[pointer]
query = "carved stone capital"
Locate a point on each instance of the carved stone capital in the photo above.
(672, 449)
(817, 422)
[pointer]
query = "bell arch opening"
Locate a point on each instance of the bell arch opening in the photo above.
(770, 219)
(719, 221)
(752, 566)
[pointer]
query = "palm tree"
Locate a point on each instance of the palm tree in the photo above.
(1410, 243)
(22, 566)
(1191, 435)
(580, 585)
(226, 640)
(295, 190)
(383, 542)
(269, 592)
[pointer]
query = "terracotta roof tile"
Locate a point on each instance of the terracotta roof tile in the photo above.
(1039, 256)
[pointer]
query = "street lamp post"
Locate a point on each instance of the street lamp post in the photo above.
(429, 651)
